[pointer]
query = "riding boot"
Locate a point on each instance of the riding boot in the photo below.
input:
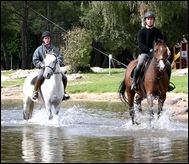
(134, 85)
(38, 83)
(64, 80)
(170, 87)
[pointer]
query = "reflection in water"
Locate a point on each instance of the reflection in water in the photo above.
(28, 145)
(151, 148)
(46, 154)
(43, 145)
(91, 134)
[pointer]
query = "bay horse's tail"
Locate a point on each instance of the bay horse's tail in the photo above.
(121, 90)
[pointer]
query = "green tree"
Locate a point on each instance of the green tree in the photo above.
(77, 48)
(115, 24)
(112, 23)
(10, 44)
(172, 18)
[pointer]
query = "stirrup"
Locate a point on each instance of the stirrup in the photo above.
(34, 96)
(171, 87)
(65, 97)
(134, 87)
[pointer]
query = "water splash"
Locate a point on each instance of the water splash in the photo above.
(41, 117)
(98, 119)
(165, 122)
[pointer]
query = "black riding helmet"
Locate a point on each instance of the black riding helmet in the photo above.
(149, 14)
(46, 33)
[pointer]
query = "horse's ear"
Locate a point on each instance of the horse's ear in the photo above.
(154, 43)
(53, 52)
(159, 40)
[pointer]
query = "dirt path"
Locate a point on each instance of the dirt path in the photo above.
(176, 102)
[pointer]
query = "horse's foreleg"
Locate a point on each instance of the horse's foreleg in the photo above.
(50, 115)
(138, 109)
(48, 107)
(130, 96)
(132, 114)
(160, 105)
(150, 107)
(57, 110)
(28, 108)
(138, 103)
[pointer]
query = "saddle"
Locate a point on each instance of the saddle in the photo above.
(33, 81)
(142, 71)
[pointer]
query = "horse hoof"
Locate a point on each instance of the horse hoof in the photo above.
(137, 123)
(50, 117)
(25, 116)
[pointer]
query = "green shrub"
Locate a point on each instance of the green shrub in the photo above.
(77, 49)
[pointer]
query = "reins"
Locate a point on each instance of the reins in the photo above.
(53, 68)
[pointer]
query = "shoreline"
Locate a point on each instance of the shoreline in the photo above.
(176, 102)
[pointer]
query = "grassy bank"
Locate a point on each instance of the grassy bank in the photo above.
(101, 82)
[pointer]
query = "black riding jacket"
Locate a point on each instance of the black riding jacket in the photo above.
(146, 38)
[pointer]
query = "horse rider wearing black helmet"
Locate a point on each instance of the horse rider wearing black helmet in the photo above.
(38, 62)
(145, 38)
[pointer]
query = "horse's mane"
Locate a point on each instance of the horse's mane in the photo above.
(159, 41)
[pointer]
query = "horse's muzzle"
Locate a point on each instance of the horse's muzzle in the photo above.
(48, 76)
(161, 65)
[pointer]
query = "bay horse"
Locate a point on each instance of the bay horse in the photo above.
(51, 91)
(153, 83)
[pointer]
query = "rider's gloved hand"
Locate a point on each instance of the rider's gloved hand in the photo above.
(42, 65)
(150, 54)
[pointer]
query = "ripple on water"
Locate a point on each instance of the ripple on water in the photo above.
(95, 121)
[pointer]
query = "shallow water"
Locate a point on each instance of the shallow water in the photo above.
(90, 132)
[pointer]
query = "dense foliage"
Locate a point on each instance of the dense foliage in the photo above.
(112, 23)
(76, 51)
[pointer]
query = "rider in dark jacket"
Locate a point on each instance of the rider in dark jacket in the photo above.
(38, 61)
(145, 38)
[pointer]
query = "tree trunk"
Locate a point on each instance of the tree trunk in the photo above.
(48, 14)
(24, 36)
(5, 63)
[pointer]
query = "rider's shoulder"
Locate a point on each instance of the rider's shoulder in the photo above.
(56, 49)
(38, 49)
(142, 29)
(156, 29)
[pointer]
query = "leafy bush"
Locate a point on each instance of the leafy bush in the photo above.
(77, 49)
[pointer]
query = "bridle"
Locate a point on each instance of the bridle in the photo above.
(53, 68)
(162, 60)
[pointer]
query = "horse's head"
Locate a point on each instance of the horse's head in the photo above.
(161, 54)
(51, 62)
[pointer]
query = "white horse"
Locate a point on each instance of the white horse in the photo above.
(51, 91)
